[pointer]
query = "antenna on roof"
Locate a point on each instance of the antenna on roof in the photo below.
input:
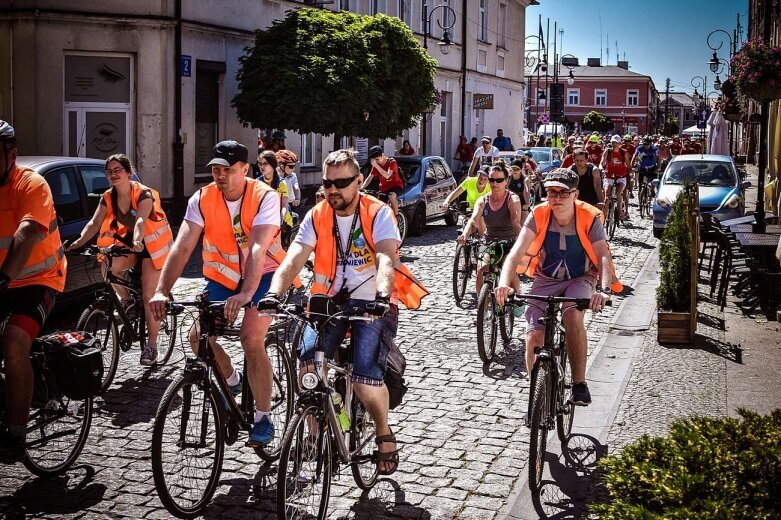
(607, 49)
(600, 34)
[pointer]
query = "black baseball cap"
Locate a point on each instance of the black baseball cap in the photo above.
(228, 153)
(375, 151)
(562, 178)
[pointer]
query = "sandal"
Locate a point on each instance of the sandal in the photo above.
(391, 456)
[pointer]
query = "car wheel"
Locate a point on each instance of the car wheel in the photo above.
(451, 218)
(418, 223)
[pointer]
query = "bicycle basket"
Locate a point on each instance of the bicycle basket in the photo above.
(76, 362)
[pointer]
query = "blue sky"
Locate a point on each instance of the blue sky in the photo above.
(663, 38)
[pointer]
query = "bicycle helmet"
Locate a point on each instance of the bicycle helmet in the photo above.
(627, 137)
(528, 153)
(593, 139)
(286, 157)
(615, 139)
(6, 131)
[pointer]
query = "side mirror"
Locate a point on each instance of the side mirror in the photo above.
(655, 184)
(745, 184)
(556, 163)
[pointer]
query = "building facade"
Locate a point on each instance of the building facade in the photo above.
(83, 79)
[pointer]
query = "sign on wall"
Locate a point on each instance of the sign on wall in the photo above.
(97, 79)
(483, 101)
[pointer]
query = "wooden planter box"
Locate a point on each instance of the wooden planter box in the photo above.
(674, 328)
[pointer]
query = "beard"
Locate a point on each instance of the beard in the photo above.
(338, 202)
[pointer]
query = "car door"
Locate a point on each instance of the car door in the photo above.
(439, 191)
(429, 184)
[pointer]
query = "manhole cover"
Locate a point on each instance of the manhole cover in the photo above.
(450, 345)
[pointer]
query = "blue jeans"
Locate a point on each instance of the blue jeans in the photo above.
(219, 293)
(371, 343)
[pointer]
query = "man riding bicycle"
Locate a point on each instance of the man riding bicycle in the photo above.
(32, 272)
(474, 187)
(355, 242)
(564, 248)
(647, 156)
(240, 220)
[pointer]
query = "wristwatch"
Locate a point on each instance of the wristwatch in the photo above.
(606, 290)
(136, 245)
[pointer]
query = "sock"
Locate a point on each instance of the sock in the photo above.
(20, 430)
(261, 415)
(151, 345)
(234, 378)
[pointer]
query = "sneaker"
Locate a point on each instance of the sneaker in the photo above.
(149, 356)
(262, 433)
(11, 448)
(580, 395)
(236, 389)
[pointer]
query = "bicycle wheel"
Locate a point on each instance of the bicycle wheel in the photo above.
(282, 397)
(56, 430)
(103, 327)
(538, 408)
(565, 416)
(612, 216)
(304, 478)
(362, 433)
(187, 446)
(507, 324)
(486, 323)
(166, 338)
(461, 273)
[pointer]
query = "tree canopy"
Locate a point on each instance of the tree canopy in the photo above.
(341, 73)
(597, 121)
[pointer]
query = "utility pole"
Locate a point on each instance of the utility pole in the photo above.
(666, 106)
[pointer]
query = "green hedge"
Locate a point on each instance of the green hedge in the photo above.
(706, 468)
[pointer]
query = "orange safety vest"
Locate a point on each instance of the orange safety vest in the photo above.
(47, 264)
(158, 237)
(407, 288)
(221, 255)
(585, 214)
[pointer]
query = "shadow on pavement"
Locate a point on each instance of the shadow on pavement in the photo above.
(133, 400)
(386, 499)
(67, 494)
(710, 321)
(247, 498)
(728, 351)
(509, 361)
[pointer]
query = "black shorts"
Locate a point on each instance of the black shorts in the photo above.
(27, 307)
(646, 174)
(395, 190)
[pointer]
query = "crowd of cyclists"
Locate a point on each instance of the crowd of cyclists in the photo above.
(350, 239)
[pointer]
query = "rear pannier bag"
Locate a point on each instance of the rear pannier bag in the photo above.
(76, 362)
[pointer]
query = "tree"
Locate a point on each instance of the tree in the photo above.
(335, 73)
(673, 125)
(597, 121)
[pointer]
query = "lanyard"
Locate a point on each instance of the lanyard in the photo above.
(343, 254)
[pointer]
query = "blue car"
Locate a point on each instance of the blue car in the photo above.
(720, 190)
(428, 181)
(547, 158)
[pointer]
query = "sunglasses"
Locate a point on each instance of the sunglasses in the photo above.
(289, 165)
(494, 180)
(114, 171)
(339, 183)
(559, 194)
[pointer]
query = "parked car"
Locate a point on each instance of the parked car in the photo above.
(77, 185)
(547, 158)
(721, 192)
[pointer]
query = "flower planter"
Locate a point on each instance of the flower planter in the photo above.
(732, 117)
(674, 328)
(762, 91)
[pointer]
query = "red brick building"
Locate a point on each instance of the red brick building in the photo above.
(628, 98)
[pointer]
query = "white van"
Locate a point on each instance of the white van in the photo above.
(548, 130)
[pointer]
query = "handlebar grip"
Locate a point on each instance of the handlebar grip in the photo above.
(174, 309)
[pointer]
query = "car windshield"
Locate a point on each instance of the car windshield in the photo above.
(705, 173)
(541, 156)
(409, 169)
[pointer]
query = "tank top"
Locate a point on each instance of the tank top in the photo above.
(498, 223)
(516, 186)
(586, 191)
(616, 167)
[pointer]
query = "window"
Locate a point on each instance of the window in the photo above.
(405, 11)
(440, 172)
(95, 184)
(65, 193)
(500, 62)
(446, 19)
(542, 95)
(307, 149)
(573, 96)
(502, 25)
(632, 98)
(377, 6)
(207, 108)
(482, 21)
(482, 57)
(600, 97)
(345, 5)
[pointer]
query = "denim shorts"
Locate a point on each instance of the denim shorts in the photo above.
(371, 342)
(219, 293)
(580, 287)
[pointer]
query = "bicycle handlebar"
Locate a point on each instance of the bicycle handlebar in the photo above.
(580, 303)
(111, 251)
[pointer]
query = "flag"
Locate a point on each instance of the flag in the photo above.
(542, 36)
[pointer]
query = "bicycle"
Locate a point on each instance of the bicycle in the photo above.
(612, 219)
(551, 382)
(489, 316)
(645, 194)
(198, 415)
(401, 218)
(118, 326)
(319, 438)
(465, 259)
(58, 426)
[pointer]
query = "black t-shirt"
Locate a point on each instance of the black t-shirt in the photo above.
(516, 186)
(128, 219)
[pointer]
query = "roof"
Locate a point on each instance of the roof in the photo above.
(607, 71)
(37, 161)
(680, 98)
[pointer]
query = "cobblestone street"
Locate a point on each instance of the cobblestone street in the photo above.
(464, 447)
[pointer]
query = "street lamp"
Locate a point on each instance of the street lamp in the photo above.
(535, 65)
(731, 38)
(445, 43)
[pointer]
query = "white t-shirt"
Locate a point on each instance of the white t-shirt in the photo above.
(486, 157)
(292, 184)
(268, 213)
(361, 263)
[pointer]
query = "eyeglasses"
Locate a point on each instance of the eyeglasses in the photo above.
(495, 180)
(262, 163)
(114, 171)
(559, 194)
(340, 184)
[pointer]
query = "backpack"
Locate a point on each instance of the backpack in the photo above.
(76, 362)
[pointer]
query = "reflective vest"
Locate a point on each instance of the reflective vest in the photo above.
(584, 218)
(158, 237)
(47, 264)
(407, 288)
(221, 255)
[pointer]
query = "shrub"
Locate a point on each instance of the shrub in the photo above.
(673, 293)
(706, 468)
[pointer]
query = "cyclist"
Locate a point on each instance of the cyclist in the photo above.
(131, 211)
(647, 156)
(498, 213)
(474, 187)
(530, 159)
(564, 248)
(675, 147)
(629, 147)
(589, 179)
(239, 219)
(363, 265)
(519, 183)
(664, 153)
(32, 272)
(269, 169)
(615, 164)
(387, 170)
(287, 172)
(484, 155)
(594, 149)
(464, 155)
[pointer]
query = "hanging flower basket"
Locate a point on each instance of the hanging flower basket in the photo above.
(756, 70)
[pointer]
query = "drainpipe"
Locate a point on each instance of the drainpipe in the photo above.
(463, 66)
(178, 143)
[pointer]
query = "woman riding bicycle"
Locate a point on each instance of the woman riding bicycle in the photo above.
(499, 213)
(269, 171)
(520, 184)
(130, 213)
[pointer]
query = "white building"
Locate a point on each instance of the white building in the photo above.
(95, 78)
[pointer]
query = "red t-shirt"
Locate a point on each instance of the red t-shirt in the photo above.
(569, 160)
(464, 152)
(594, 153)
(675, 149)
(629, 149)
(616, 164)
(395, 179)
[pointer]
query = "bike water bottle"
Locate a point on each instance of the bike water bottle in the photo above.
(341, 413)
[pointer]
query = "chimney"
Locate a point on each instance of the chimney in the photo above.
(594, 62)
(623, 64)
(569, 62)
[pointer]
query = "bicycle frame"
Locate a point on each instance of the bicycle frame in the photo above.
(110, 295)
